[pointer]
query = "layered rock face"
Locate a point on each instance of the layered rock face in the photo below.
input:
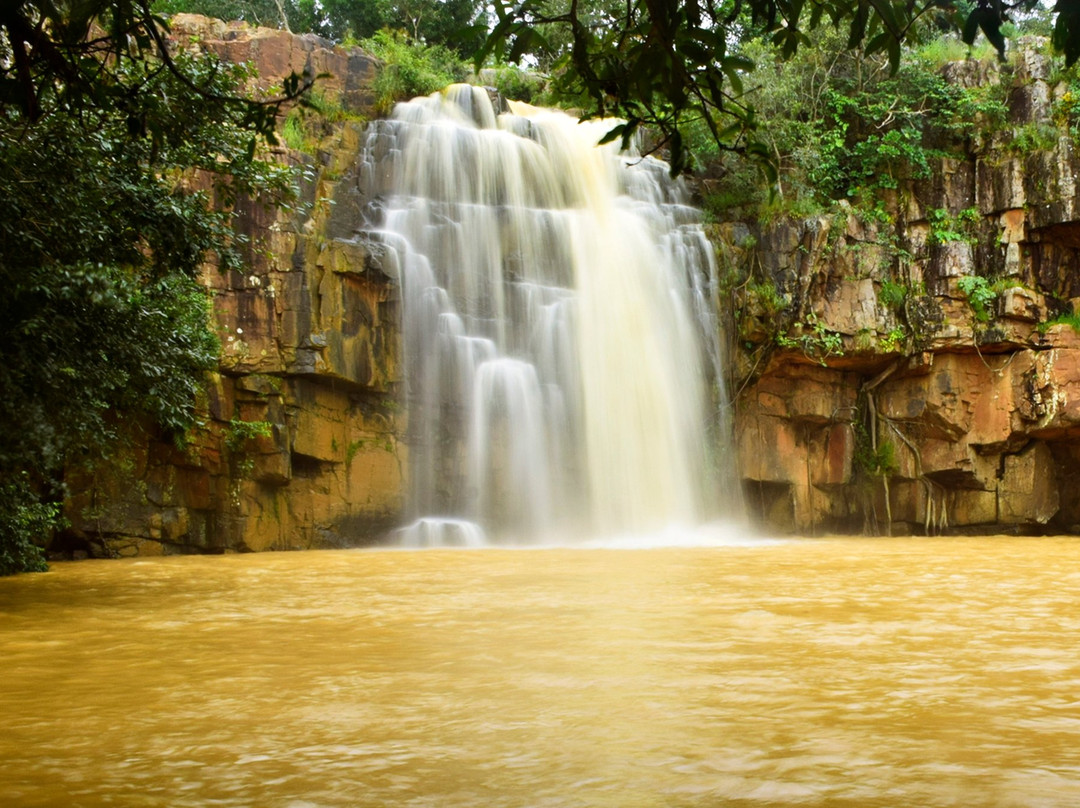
(871, 394)
(298, 441)
(917, 382)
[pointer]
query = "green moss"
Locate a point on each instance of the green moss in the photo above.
(880, 462)
(1070, 319)
(352, 450)
(892, 295)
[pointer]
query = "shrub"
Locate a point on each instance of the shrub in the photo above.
(24, 521)
(980, 295)
(410, 68)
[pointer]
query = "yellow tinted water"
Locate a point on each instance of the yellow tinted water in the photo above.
(830, 672)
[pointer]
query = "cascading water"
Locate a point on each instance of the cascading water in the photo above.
(561, 347)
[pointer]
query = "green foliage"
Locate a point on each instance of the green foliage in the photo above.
(454, 24)
(892, 295)
(980, 295)
(516, 84)
(257, 12)
(308, 123)
(100, 245)
(1070, 319)
(119, 164)
(880, 462)
(893, 342)
(945, 228)
(237, 437)
(815, 340)
(240, 432)
(938, 51)
(24, 522)
(292, 131)
(1033, 137)
(838, 125)
(667, 64)
(767, 298)
(882, 129)
(410, 68)
(96, 55)
(1066, 115)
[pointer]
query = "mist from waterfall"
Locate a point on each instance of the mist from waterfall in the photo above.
(562, 354)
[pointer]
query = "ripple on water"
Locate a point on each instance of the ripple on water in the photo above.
(833, 672)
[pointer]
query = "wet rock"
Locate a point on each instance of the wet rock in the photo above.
(1028, 493)
(983, 415)
(298, 442)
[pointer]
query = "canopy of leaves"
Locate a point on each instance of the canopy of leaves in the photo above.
(118, 163)
(674, 64)
(838, 124)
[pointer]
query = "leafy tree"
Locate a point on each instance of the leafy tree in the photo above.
(450, 23)
(840, 125)
(118, 163)
(674, 64)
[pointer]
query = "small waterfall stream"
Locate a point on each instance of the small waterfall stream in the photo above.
(562, 355)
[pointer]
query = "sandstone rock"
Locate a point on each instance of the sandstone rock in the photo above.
(768, 449)
(1062, 336)
(309, 347)
(999, 185)
(1030, 102)
(1028, 492)
(130, 546)
(1021, 304)
(953, 259)
(347, 73)
(985, 421)
(1053, 394)
(970, 73)
(950, 187)
(1050, 185)
(970, 507)
(938, 402)
(851, 306)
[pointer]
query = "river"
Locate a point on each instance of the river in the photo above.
(828, 672)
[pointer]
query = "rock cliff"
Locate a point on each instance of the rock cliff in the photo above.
(298, 442)
(900, 374)
(911, 372)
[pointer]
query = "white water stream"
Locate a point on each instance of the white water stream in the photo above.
(559, 315)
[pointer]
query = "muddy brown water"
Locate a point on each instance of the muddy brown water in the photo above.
(831, 672)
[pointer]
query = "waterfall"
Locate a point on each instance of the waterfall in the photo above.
(561, 350)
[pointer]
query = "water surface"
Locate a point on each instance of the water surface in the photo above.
(913, 672)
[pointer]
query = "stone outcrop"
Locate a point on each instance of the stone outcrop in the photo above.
(890, 379)
(344, 74)
(871, 395)
(298, 442)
